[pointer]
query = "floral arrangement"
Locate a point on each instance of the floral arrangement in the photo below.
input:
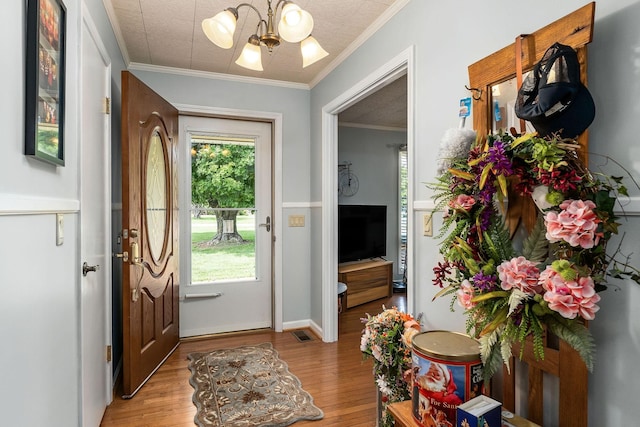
(552, 282)
(387, 339)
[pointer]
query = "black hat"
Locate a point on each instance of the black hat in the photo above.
(552, 97)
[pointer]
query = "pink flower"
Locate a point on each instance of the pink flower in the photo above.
(576, 224)
(463, 202)
(519, 273)
(563, 304)
(585, 292)
(465, 294)
(570, 298)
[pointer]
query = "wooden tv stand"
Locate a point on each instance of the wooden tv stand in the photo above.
(366, 281)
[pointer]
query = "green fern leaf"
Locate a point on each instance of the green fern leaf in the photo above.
(497, 241)
(576, 335)
(535, 247)
(538, 344)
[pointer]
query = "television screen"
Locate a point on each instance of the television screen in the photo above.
(362, 232)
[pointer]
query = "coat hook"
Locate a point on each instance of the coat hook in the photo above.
(477, 93)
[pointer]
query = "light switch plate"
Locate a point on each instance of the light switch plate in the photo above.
(59, 229)
(427, 225)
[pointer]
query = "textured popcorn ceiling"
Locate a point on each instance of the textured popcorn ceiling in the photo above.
(168, 33)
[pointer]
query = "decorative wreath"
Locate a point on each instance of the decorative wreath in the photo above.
(552, 281)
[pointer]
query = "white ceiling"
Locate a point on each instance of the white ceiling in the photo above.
(168, 33)
(386, 108)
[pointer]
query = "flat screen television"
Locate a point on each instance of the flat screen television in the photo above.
(362, 232)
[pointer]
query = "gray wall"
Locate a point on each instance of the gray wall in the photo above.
(447, 37)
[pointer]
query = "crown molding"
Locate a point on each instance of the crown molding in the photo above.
(216, 76)
(111, 14)
(362, 38)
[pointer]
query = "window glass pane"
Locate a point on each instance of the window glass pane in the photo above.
(223, 224)
(156, 198)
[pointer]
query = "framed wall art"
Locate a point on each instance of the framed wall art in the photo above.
(45, 80)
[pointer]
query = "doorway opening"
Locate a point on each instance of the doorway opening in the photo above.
(398, 67)
(226, 237)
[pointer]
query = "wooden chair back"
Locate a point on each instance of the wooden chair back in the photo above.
(562, 361)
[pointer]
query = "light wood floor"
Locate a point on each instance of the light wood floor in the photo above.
(335, 374)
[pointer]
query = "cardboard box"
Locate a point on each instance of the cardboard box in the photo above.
(481, 411)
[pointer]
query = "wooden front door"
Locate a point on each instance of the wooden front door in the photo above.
(150, 232)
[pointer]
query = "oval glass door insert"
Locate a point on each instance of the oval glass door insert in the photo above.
(156, 196)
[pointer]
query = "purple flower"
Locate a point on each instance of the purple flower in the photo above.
(485, 219)
(485, 196)
(501, 162)
(484, 282)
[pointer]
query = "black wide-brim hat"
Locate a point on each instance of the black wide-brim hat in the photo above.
(571, 121)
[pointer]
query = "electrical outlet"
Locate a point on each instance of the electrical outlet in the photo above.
(296, 220)
(427, 225)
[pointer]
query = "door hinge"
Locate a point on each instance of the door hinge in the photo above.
(108, 353)
(107, 105)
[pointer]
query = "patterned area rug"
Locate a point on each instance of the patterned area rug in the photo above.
(246, 387)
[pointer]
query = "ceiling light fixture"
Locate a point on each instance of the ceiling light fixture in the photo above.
(295, 26)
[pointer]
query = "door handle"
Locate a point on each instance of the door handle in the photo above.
(267, 225)
(135, 254)
(86, 268)
(137, 261)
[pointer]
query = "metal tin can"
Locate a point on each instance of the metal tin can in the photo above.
(447, 371)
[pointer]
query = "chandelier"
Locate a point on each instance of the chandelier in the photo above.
(295, 26)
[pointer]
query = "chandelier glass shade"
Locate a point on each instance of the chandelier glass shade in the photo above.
(295, 25)
(311, 51)
(251, 57)
(220, 28)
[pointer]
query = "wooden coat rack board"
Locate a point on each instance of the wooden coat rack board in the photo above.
(575, 30)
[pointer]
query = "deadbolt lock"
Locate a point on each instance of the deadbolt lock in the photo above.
(124, 255)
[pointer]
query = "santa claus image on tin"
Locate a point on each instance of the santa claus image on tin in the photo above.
(438, 383)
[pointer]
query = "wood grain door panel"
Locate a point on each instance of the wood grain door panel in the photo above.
(150, 231)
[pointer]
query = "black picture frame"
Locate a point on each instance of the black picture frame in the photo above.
(45, 80)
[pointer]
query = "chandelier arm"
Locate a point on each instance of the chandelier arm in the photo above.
(280, 2)
(261, 21)
(252, 7)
